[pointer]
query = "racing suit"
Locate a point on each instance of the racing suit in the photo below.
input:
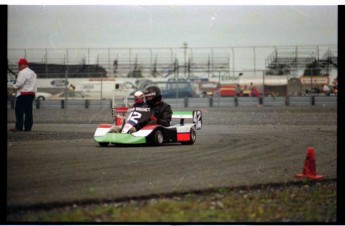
(162, 114)
(117, 129)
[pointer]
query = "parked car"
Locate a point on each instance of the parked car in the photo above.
(39, 95)
(314, 90)
(43, 95)
(175, 88)
(207, 88)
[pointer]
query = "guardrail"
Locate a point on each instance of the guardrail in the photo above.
(195, 102)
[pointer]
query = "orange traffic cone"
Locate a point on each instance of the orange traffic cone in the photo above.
(309, 169)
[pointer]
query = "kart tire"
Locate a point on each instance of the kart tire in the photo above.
(103, 144)
(192, 137)
(157, 138)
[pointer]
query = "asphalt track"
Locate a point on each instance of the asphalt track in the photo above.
(62, 164)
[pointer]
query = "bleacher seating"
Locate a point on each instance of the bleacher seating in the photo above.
(59, 70)
(287, 62)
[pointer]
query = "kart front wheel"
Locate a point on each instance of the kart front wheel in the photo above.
(103, 144)
(158, 138)
(192, 137)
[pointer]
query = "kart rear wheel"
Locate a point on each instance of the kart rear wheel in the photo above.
(158, 138)
(192, 137)
(103, 144)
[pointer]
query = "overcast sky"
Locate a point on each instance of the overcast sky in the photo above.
(115, 26)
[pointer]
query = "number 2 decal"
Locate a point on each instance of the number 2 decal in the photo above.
(135, 115)
(197, 119)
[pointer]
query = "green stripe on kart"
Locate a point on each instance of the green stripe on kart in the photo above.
(182, 114)
(120, 138)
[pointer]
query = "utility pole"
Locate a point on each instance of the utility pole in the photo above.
(185, 46)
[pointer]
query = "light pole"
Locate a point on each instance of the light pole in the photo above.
(185, 46)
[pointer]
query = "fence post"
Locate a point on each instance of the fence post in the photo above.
(236, 101)
(38, 103)
(62, 104)
(312, 100)
(261, 100)
(287, 101)
(86, 104)
(211, 101)
(186, 102)
(12, 103)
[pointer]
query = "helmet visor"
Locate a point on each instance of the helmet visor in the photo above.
(150, 94)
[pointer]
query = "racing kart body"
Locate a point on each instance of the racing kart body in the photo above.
(151, 134)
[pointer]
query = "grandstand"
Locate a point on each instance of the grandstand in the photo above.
(293, 62)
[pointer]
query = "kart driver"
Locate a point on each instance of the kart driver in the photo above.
(161, 111)
(139, 99)
(138, 102)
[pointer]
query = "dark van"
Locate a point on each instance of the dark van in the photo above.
(175, 88)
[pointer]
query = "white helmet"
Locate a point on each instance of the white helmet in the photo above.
(139, 97)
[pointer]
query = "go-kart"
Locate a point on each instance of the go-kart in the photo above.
(151, 134)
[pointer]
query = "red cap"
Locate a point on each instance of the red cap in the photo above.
(23, 61)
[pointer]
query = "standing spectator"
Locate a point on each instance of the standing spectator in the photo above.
(254, 92)
(326, 90)
(115, 66)
(238, 90)
(335, 86)
(246, 91)
(251, 86)
(26, 87)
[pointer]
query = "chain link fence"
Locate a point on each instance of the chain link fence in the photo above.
(284, 70)
(186, 61)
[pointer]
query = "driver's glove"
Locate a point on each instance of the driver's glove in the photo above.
(153, 120)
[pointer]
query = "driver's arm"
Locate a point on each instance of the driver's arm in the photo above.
(166, 119)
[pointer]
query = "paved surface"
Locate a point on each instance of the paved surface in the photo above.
(59, 162)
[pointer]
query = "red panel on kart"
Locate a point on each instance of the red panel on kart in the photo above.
(121, 110)
(105, 126)
(119, 121)
(149, 127)
(183, 137)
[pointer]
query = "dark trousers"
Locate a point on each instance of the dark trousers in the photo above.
(23, 111)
